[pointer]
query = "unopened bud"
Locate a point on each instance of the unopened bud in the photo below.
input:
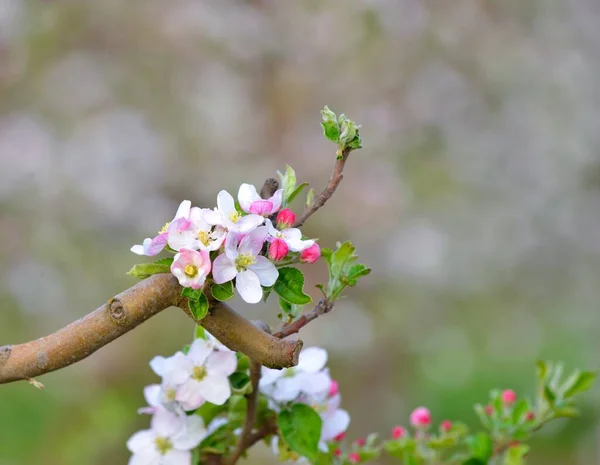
(489, 410)
(360, 442)
(334, 388)
(353, 458)
(420, 417)
(337, 452)
(340, 437)
(446, 426)
(398, 432)
(311, 254)
(347, 132)
(286, 218)
(509, 397)
(529, 416)
(278, 249)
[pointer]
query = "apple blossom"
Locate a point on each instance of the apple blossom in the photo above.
(242, 261)
(153, 246)
(335, 419)
(191, 267)
(398, 432)
(206, 371)
(285, 218)
(420, 417)
(509, 397)
(227, 216)
(291, 236)
(251, 202)
(278, 249)
(169, 441)
(310, 254)
(194, 232)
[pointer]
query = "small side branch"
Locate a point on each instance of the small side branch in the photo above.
(324, 306)
(327, 193)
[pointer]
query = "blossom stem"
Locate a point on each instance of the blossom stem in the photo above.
(291, 261)
(324, 306)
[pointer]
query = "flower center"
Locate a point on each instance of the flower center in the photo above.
(203, 237)
(170, 394)
(163, 445)
(190, 270)
(289, 373)
(243, 261)
(164, 228)
(199, 373)
(234, 217)
(319, 408)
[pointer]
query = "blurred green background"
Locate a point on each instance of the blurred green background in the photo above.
(476, 199)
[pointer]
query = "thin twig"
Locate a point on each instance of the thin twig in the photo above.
(326, 194)
(324, 306)
(250, 420)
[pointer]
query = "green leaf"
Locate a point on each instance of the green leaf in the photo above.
(519, 410)
(355, 143)
(331, 131)
(200, 333)
(542, 370)
(347, 132)
(357, 271)
(566, 412)
(515, 455)
(295, 192)
(300, 427)
(240, 383)
(288, 183)
(243, 361)
(223, 291)
(199, 308)
(483, 417)
(580, 382)
(474, 461)
(549, 395)
(192, 294)
(310, 197)
(400, 447)
(480, 446)
(209, 411)
(343, 271)
(237, 408)
(145, 270)
(286, 307)
(289, 286)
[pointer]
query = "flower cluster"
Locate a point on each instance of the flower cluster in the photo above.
(308, 383)
(233, 242)
(188, 381)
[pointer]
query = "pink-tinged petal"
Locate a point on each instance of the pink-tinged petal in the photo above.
(223, 269)
(253, 242)
(261, 207)
(246, 195)
(213, 217)
(181, 238)
(192, 435)
(248, 223)
(287, 389)
(188, 395)
(312, 359)
(199, 351)
(225, 203)
(166, 423)
(248, 286)
(155, 245)
(335, 424)
(141, 441)
(152, 394)
(221, 363)
(183, 211)
(197, 218)
(215, 389)
(276, 200)
(177, 457)
(231, 245)
(265, 270)
(311, 254)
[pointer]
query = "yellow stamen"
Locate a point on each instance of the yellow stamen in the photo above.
(163, 445)
(203, 237)
(234, 217)
(164, 228)
(199, 373)
(243, 261)
(190, 270)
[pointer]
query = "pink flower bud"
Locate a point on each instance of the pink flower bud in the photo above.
(334, 388)
(337, 452)
(446, 426)
(489, 410)
(286, 218)
(340, 437)
(353, 458)
(398, 432)
(360, 442)
(509, 397)
(278, 249)
(420, 417)
(311, 254)
(529, 416)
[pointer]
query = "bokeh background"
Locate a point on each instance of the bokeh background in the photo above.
(476, 199)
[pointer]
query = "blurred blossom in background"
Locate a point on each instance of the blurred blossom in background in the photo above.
(476, 199)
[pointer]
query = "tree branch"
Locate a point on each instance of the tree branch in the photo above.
(326, 194)
(324, 306)
(124, 312)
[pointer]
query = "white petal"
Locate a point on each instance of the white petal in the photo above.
(138, 249)
(246, 195)
(291, 234)
(223, 269)
(270, 228)
(269, 376)
(265, 270)
(248, 286)
(335, 424)
(215, 389)
(166, 423)
(177, 457)
(315, 383)
(158, 365)
(188, 395)
(177, 368)
(231, 245)
(252, 243)
(151, 458)
(152, 394)
(184, 210)
(248, 223)
(312, 359)
(213, 217)
(192, 435)
(298, 245)
(221, 362)
(225, 203)
(277, 198)
(141, 441)
(199, 351)
(286, 389)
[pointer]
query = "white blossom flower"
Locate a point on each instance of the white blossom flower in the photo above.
(194, 232)
(191, 267)
(309, 377)
(291, 236)
(251, 202)
(227, 216)
(169, 441)
(242, 261)
(153, 246)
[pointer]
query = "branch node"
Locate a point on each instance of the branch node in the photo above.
(116, 312)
